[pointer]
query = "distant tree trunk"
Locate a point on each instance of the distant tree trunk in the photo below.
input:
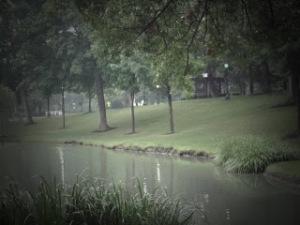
(296, 96)
(206, 88)
(294, 86)
(294, 66)
(251, 82)
(90, 100)
(241, 85)
(157, 98)
(19, 106)
(132, 112)
(298, 104)
(172, 129)
(90, 105)
(241, 88)
(289, 87)
(267, 76)
(103, 125)
(144, 97)
(48, 106)
(27, 108)
(63, 107)
(209, 85)
(40, 109)
(227, 97)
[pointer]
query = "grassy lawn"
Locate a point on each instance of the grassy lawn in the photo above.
(201, 124)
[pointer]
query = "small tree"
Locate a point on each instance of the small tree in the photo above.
(63, 38)
(133, 72)
(84, 70)
(170, 72)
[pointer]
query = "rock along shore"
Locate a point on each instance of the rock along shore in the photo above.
(167, 151)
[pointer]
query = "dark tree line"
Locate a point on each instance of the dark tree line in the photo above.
(88, 46)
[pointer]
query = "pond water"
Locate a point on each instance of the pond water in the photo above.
(225, 199)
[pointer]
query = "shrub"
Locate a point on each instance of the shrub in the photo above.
(252, 154)
(89, 203)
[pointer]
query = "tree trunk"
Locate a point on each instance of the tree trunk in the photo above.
(144, 97)
(48, 106)
(172, 129)
(267, 77)
(298, 109)
(227, 96)
(241, 86)
(251, 84)
(296, 85)
(132, 112)
(294, 66)
(40, 110)
(103, 125)
(157, 98)
(63, 107)
(19, 106)
(28, 108)
(90, 104)
(90, 100)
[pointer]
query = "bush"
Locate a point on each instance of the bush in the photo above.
(252, 154)
(89, 203)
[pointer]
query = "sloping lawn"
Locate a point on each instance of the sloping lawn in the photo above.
(201, 124)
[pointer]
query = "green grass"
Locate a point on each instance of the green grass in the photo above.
(285, 169)
(250, 154)
(90, 202)
(201, 124)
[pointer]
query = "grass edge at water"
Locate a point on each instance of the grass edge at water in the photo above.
(252, 154)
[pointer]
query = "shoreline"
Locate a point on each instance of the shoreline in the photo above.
(158, 150)
(289, 181)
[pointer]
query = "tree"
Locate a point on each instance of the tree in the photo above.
(48, 87)
(23, 49)
(85, 69)
(132, 73)
(169, 71)
(104, 52)
(63, 38)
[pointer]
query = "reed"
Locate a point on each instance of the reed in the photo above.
(92, 203)
(250, 154)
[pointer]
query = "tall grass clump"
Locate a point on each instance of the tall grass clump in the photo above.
(90, 203)
(252, 154)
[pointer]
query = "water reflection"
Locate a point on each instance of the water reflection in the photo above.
(103, 164)
(171, 183)
(158, 171)
(221, 198)
(206, 198)
(227, 214)
(145, 186)
(133, 167)
(62, 164)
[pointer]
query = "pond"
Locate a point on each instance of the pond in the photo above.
(225, 198)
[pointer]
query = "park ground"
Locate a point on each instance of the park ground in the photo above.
(200, 124)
